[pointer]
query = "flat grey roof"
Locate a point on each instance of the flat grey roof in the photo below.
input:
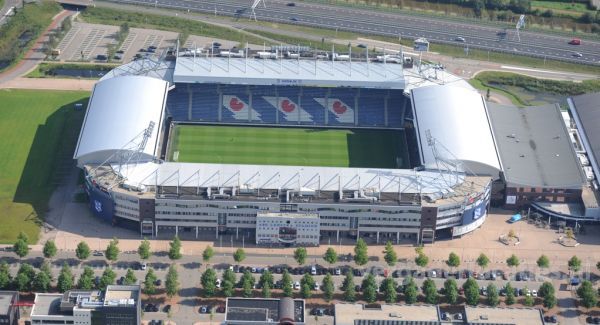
(515, 316)
(259, 310)
(6, 298)
(586, 112)
(534, 147)
(47, 304)
(356, 314)
(288, 72)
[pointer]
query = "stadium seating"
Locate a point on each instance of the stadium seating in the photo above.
(307, 105)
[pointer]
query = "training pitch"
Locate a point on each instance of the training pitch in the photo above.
(289, 146)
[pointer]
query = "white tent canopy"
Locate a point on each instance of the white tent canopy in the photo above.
(119, 111)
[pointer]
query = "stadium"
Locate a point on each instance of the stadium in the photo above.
(294, 151)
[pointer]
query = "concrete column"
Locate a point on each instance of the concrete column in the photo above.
(176, 230)
(237, 231)
(156, 230)
(378, 237)
(338, 235)
(196, 232)
(217, 232)
(357, 234)
(397, 237)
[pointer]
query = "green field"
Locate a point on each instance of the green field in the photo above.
(289, 146)
(39, 130)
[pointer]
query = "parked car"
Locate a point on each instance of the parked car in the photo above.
(167, 308)
(460, 39)
(296, 285)
(550, 319)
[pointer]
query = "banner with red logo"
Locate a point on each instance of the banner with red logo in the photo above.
(342, 111)
(240, 109)
(292, 112)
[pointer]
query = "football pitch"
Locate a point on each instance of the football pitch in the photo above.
(289, 146)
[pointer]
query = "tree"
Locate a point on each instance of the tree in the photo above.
(130, 278)
(543, 262)
(548, 294)
(150, 282)
(471, 291)
(266, 278)
(348, 287)
(86, 280)
(330, 256)
(369, 288)
(266, 290)
(21, 248)
(451, 291)
(587, 294)
(208, 281)
(175, 248)
(305, 291)
(493, 298)
(569, 233)
(575, 264)
(430, 292)
(389, 254)
(227, 288)
(286, 284)
(172, 281)
(410, 291)
(511, 234)
(65, 279)
(112, 250)
(22, 282)
(528, 301)
(483, 261)
(361, 254)
(308, 280)
(144, 249)
(45, 267)
(389, 288)
(510, 294)
(247, 284)
(41, 282)
(82, 251)
(453, 260)
(23, 236)
(239, 255)
(513, 261)
(228, 275)
(5, 278)
(108, 278)
(208, 254)
(50, 249)
(328, 287)
(300, 255)
(422, 260)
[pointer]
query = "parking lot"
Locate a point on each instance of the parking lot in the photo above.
(144, 39)
(85, 41)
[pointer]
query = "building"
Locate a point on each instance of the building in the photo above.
(118, 305)
(357, 314)
(287, 229)
(444, 191)
(257, 311)
(9, 310)
(538, 161)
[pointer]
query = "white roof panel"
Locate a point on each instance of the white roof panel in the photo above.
(288, 177)
(457, 118)
(119, 110)
(288, 72)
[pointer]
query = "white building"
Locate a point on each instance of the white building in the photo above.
(287, 229)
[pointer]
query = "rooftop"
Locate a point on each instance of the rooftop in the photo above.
(514, 316)
(47, 304)
(121, 295)
(534, 146)
(260, 310)
(290, 72)
(351, 314)
(287, 215)
(6, 300)
(586, 112)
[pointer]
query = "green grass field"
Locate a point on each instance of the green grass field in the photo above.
(288, 146)
(39, 130)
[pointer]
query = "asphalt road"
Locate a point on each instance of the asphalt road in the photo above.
(394, 24)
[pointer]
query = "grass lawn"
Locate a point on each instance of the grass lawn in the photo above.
(288, 146)
(577, 7)
(39, 130)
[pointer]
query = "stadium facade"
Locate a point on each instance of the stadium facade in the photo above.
(124, 144)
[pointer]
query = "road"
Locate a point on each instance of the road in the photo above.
(395, 24)
(8, 5)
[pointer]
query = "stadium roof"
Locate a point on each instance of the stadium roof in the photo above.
(288, 72)
(457, 118)
(148, 67)
(289, 177)
(534, 146)
(120, 109)
(586, 112)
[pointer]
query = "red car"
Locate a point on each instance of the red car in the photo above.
(575, 41)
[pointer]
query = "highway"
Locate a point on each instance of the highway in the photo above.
(395, 25)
